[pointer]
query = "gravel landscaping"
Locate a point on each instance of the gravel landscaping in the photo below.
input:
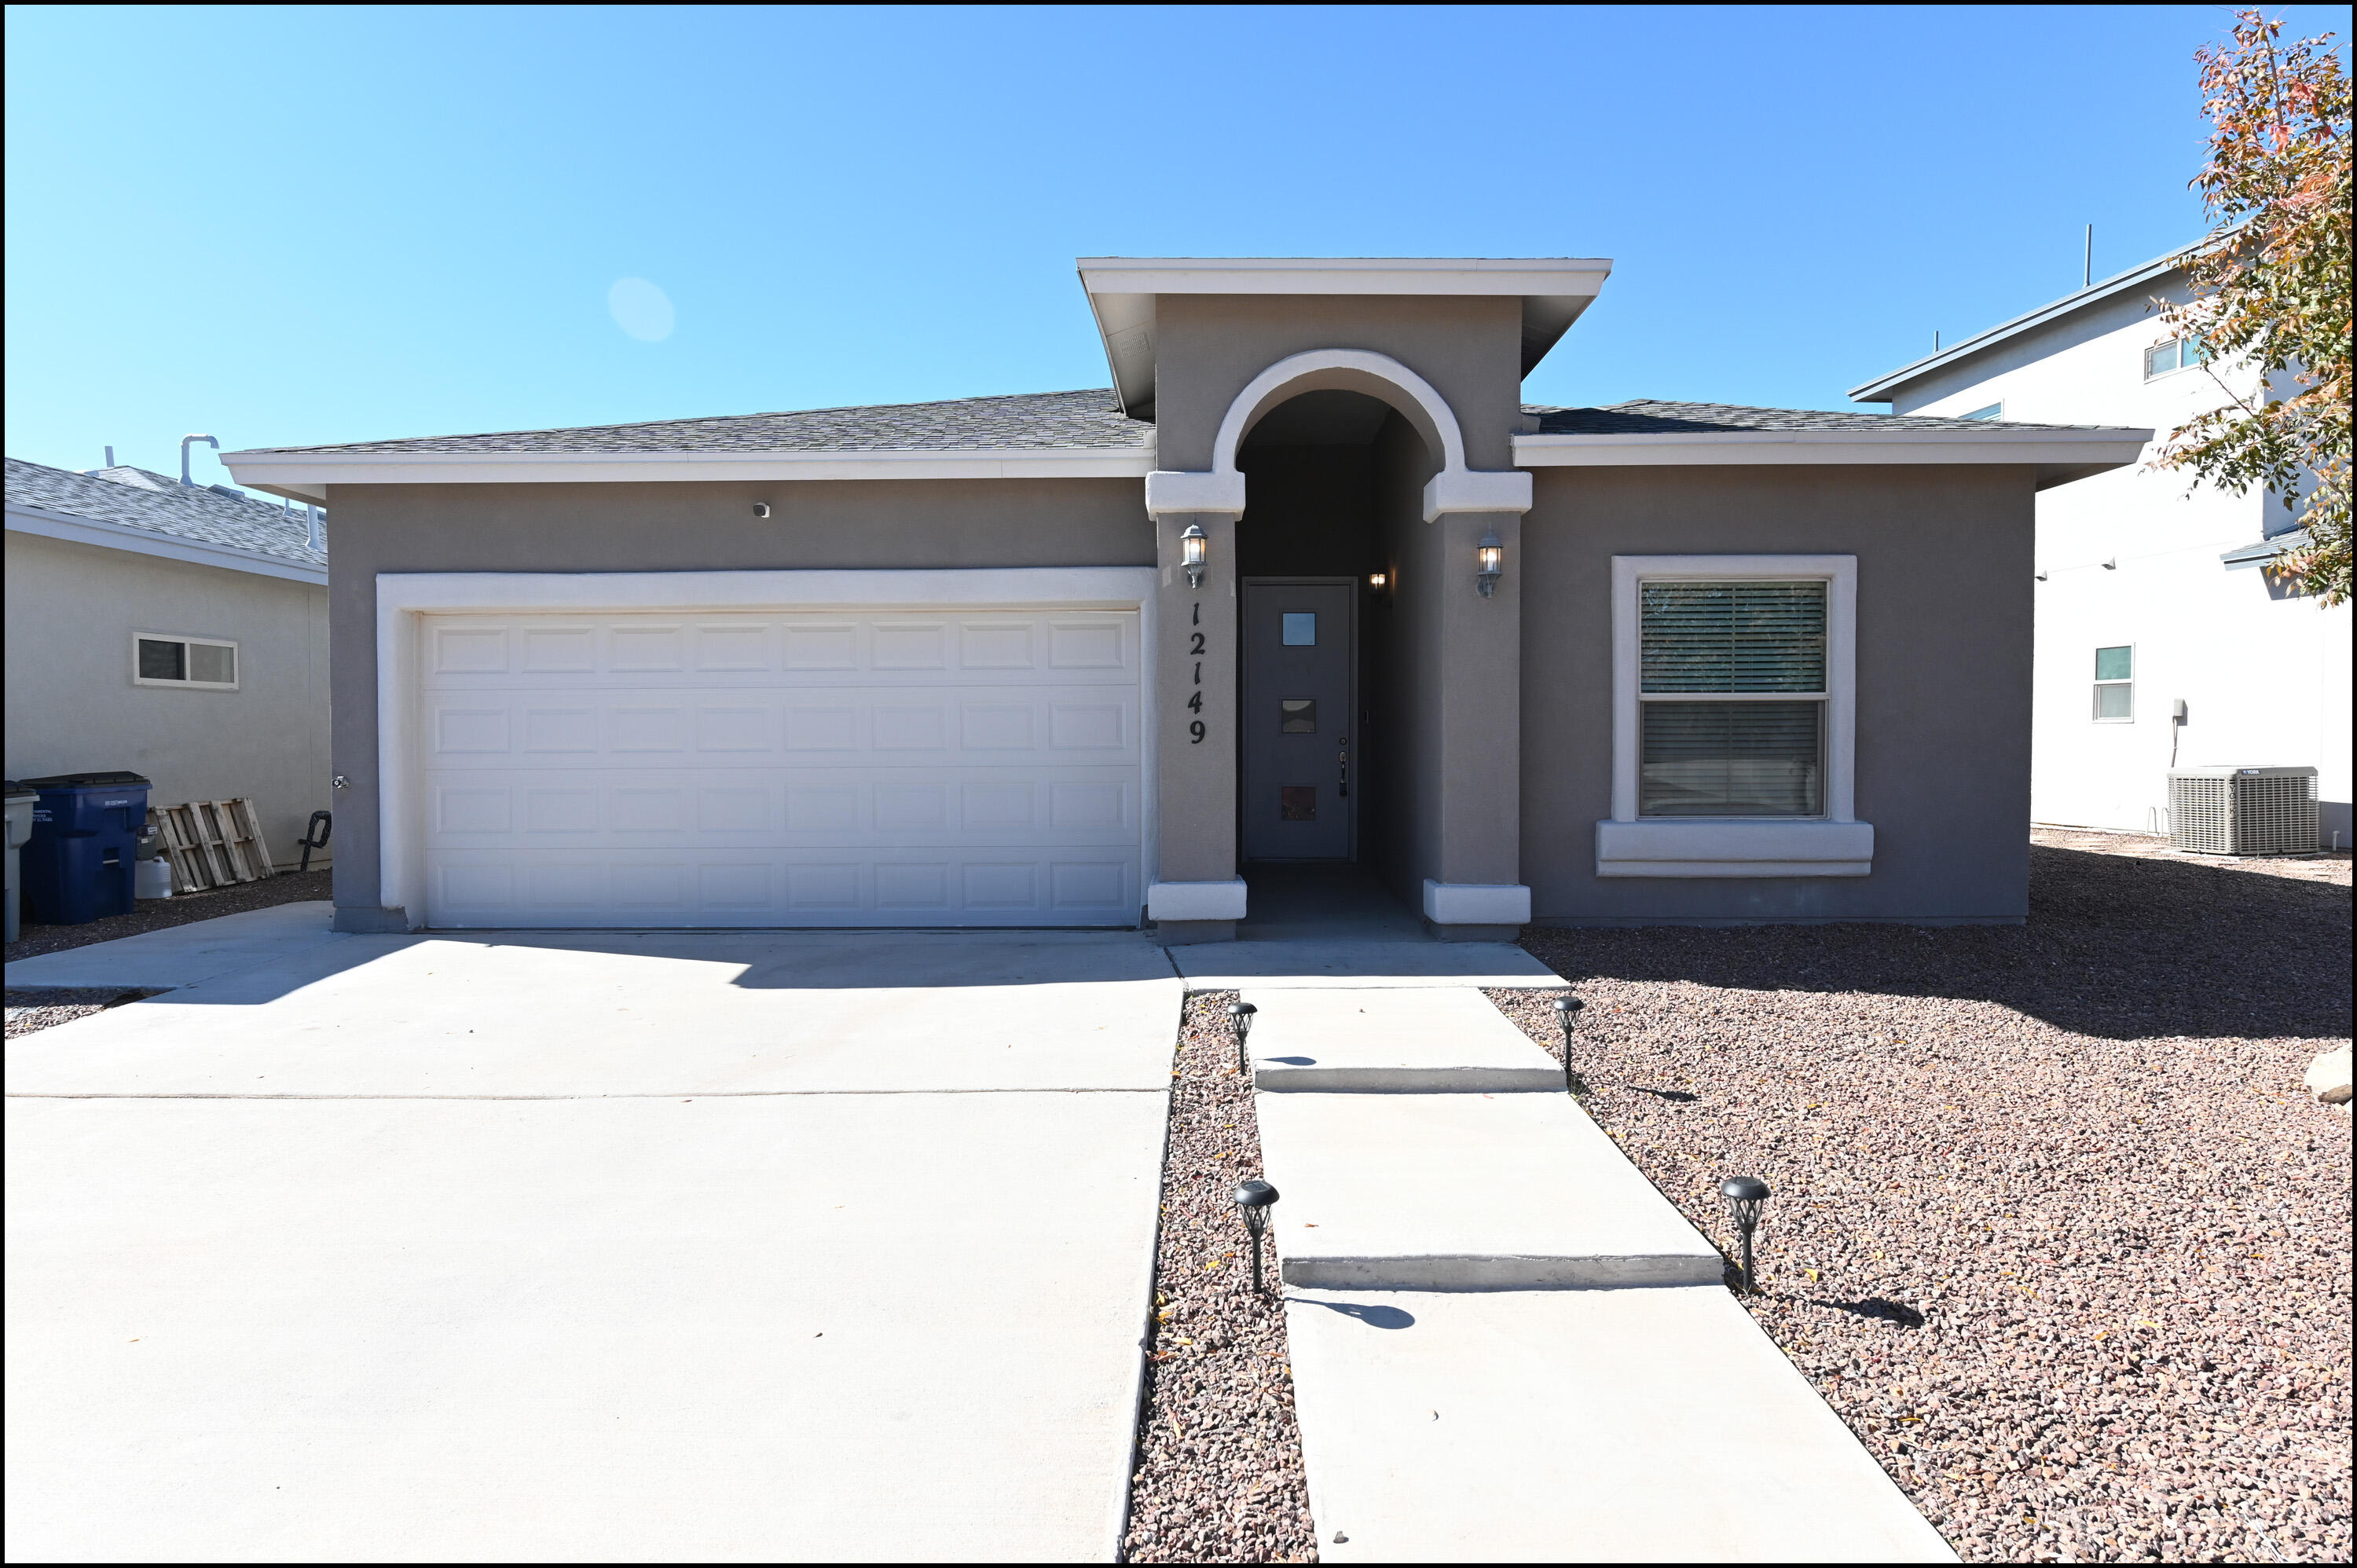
(1218, 1476)
(2057, 1229)
(156, 913)
(35, 1007)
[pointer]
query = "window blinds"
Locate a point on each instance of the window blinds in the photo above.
(1733, 637)
(1740, 759)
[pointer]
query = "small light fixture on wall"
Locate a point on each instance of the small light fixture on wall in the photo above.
(1492, 556)
(1191, 546)
(761, 508)
(1378, 581)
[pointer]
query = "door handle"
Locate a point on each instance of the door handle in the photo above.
(1342, 761)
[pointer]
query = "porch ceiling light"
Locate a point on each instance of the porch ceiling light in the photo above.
(1191, 546)
(1492, 556)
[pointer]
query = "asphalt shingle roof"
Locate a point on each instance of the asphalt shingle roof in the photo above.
(1646, 416)
(1089, 418)
(136, 498)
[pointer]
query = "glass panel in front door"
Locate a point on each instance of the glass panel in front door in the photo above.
(1297, 800)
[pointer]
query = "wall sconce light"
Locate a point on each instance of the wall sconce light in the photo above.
(1492, 556)
(761, 508)
(1378, 581)
(1191, 545)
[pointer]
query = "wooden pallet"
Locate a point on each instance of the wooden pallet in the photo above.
(211, 843)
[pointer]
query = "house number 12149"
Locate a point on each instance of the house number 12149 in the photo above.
(1195, 702)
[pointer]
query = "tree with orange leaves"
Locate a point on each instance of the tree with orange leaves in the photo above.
(2271, 289)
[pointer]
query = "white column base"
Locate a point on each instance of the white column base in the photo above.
(1196, 900)
(1476, 903)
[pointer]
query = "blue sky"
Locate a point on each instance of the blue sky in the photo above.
(289, 225)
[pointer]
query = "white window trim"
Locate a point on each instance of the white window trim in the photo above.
(404, 599)
(2094, 716)
(236, 654)
(1835, 845)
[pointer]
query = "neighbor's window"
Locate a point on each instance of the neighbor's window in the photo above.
(1731, 697)
(1994, 410)
(2178, 353)
(2115, 683)
(202, 661)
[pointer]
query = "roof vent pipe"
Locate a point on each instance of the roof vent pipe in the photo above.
(184, 455)
(110, 456)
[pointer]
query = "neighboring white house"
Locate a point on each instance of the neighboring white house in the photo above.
(2152, 591)
(176, 631)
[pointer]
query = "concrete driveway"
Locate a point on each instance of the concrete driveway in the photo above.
(665, 1248)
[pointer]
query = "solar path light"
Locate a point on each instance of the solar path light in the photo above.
(1240, 1017)
(1567, 1014)
(1254, 1199)
(1744, 1194)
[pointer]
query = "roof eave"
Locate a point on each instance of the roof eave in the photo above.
(1883, 387)
(304, 475)
(2059, 456)
(48, 524)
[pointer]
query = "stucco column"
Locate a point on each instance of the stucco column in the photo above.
(1474, 889)
(1196, 894)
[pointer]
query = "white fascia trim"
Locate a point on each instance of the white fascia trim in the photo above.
(2107, 448)
(300, 474)
(1195, 901)
(1476, 903)
(1734, 847)
(1553, 276)
(170, 547)
(403, 597)
(1840, 576)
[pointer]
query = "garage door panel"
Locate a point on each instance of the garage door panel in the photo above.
(796, 649)
(1025, 887)
(1073, 807)
(808, 768)
(486, 727)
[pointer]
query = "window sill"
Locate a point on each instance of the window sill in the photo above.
(1706, 846)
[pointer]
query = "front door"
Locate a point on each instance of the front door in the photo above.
(1299, 660)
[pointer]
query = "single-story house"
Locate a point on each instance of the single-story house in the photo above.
(1309, 582)
(172, 630)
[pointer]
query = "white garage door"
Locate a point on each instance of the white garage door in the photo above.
(797, 769)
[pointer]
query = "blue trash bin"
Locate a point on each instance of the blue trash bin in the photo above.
(81, 862)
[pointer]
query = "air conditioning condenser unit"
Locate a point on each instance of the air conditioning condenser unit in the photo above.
(2242, 811)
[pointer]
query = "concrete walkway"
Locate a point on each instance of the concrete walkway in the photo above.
(1507, 1345)
(673, 1248)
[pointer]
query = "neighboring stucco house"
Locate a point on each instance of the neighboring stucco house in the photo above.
(2152, 591)
(949, 663)
(176, 630)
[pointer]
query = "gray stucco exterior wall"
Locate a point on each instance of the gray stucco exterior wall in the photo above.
(72, 609)
(1208, 348)
(704, 527)
(1944, 564)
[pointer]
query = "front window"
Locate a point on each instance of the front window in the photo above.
(1731, 695)
(2116, 685)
